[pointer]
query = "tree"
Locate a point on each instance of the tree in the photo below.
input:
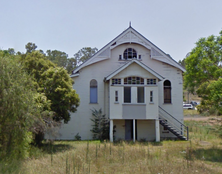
(54, 82)
(35, 64)
(84, 54)
(57, 57)
(30, 47)
(71, 65)
(101, 125)
(204, 71)
(182, 62)
(11, 51)
(19, 110)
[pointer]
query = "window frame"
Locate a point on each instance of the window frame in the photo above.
(129, 53)
(139, 99)
(167, 92)
(151, 96)
(151, 81)
(116, 81)
(93, 91)
(116, 96)
(133, 80)
(125, 98)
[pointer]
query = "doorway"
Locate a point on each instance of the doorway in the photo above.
(129, 129)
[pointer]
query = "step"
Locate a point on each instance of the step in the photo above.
(172, 130)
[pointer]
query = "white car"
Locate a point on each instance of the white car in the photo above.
(188, 106)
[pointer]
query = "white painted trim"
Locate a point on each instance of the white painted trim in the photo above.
(111, 131)
(169, 61)
(128, 64)
(157, 126)
(145, 42)
(120, 43)
(74, 75)
(134, 130)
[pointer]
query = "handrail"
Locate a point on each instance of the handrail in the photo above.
(170, 121)
(172, 118)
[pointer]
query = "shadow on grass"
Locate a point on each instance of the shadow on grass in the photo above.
(55, 148)
(212, 154)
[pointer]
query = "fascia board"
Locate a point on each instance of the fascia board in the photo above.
(128, 64)
(74, 75)
(118, 70)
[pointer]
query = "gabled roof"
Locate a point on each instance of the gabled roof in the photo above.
(130, 35)
(128, 64)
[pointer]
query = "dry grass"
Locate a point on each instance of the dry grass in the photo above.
(121, 158)
(202, 154)
(190, 112)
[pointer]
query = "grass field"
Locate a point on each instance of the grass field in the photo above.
(201, 154)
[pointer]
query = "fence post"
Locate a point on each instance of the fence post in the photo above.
(187, 133)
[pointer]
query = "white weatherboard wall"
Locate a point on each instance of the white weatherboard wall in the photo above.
(175, 108)
(120, 129)
(146, 130)
(151, 107)
(116, 109)
(80, 121)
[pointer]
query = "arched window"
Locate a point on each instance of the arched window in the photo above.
(93, 91)
(129, 53)
(167, 91)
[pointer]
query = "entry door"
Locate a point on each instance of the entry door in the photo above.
(128, 129)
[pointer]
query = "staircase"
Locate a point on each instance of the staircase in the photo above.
(173, 125)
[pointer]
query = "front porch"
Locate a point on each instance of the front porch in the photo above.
(135, 129)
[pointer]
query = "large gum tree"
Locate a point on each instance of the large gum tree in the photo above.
(204, 71)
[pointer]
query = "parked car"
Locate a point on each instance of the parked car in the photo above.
(188, 106)
(194, 103)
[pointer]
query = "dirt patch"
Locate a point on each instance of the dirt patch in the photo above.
(196, 118)
(212, 120)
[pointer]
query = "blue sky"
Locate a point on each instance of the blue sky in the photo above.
(68, 25)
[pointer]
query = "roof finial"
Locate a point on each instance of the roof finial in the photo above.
(130, 24)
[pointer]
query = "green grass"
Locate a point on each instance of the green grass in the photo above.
(202, 154)
(190, 112)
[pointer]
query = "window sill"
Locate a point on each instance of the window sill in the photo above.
(167, 103)
(116, 102)
(134, 103)
(152, 103)
(130, 59)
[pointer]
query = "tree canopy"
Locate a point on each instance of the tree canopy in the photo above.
(19, 109)
(204, 71)
(35, 92)
(57, 57)
(60, 58)
(30, 47)
(84, 54)
(54, 82)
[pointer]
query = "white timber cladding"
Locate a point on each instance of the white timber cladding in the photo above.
(106, 62)
(146, 130)
(120, 128)
(151, 109)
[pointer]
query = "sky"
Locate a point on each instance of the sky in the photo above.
(69, 25)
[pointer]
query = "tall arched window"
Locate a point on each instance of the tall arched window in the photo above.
(93, 91)
(129, 53)
(167, 91)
